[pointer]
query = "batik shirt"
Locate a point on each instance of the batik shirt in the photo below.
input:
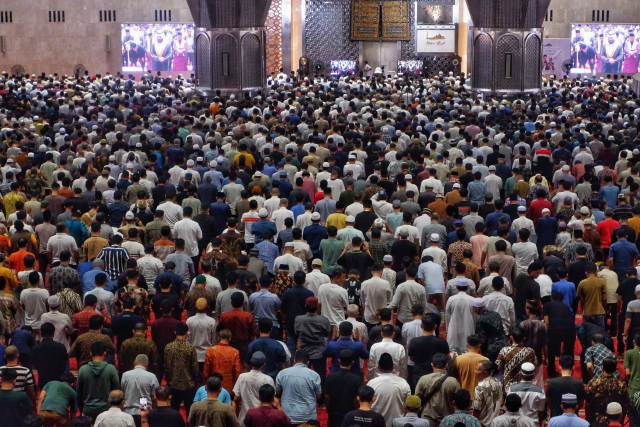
(600, 392)
(510, 359)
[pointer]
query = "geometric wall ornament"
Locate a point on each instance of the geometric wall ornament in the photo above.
(273, 29)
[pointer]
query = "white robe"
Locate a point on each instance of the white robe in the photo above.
(461, 320)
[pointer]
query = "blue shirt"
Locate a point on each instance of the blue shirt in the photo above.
(314, 234)
(116, 213)
(273, 351)
(493, 219)
(433, 276)
(568, 420)
(334, 348)
(598, 215)
(23, 340)
(293, 304)
(477, 190)
(176, 282)
(262, 226)
(220, 211)
(84, 268)
(410, 418)
(223, 397)
(297, 210)
(268, 253)
(77, 230)
(610, 193)
(89, 280)
(299, 386)
(567, 289)
(623, 252)
(265, 304)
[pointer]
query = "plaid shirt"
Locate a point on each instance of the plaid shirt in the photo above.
(378, 250)
(596, 355)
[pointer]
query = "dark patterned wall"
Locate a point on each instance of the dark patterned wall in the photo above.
(203, 62)
(482, 65)
(225, 43)
(251, 61)
(327, 32)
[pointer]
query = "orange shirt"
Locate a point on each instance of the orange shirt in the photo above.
(225, 360)
(16, 261)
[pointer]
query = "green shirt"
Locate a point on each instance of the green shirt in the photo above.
(331, 250)
(632, 362)
(59, 397)
(14, 406)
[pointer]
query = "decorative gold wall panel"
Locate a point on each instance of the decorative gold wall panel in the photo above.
(365, 20)
(274, 37)
(396, 20)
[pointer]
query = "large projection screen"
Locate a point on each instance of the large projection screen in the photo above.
(157, 47)
(605, 48)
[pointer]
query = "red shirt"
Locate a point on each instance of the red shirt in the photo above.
(605, 230)
(81, 319)
(536, 207)
(163, 332)
(266, 416)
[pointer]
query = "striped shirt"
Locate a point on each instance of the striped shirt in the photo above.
(25, 377)
(115, 260)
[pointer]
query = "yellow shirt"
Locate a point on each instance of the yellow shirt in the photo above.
(635, 224)
(338, 220)
(248, 159)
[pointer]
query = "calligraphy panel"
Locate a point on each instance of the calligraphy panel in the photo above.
(365, 20)
(396, 20)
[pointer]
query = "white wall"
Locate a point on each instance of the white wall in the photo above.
(43, 46)
(566, 12)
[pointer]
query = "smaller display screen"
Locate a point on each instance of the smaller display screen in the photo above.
(410, 67)
(340, 67)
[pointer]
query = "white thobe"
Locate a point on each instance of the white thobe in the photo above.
(461, 320)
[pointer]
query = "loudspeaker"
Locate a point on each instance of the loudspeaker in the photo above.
(2, 44)
(108, 43)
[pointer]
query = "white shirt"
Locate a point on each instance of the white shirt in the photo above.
(315, 279)
(523, 222)
(247, 387)
(202, 333)
(212, 285)
(278, 216)
(114, 417)
(494, 185)
(421, 222)
(334, 299)
(503, 305)
(408, 294)
(391, 393)
(375, 294)
(172, 212)
(461, 320)
(190, 231)
(364, 333)
(294, 263)
(397, 353)
(439, 256)
(486, 286)
(149, 267)
(63, 325)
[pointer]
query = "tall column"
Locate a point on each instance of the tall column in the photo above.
(297, 30)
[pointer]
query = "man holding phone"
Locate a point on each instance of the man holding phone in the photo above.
(139, 386)
(162, 415)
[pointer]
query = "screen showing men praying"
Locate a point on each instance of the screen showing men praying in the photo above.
(605, 48)
(157, 47)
